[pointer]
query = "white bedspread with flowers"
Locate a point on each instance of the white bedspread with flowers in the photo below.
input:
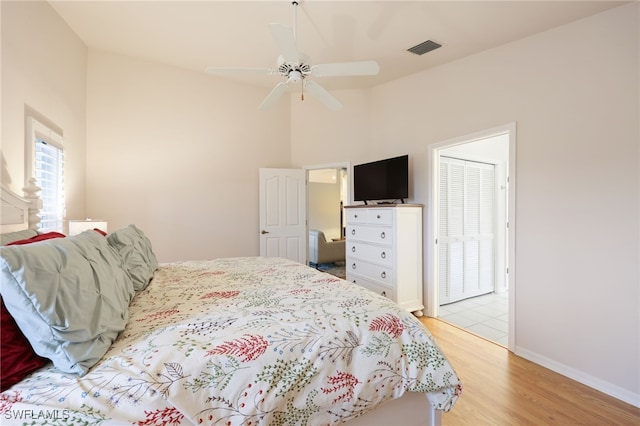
(244, 341)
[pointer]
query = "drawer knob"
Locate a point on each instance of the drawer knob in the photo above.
(355, 215)
(353, 232)
(378, 217)
(383, 255)
(353, 249)
(383, 274)
(384, 293)
(353, 266)
(383, 235)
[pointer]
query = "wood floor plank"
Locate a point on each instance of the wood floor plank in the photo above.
(500, 388)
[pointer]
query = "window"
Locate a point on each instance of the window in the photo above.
(45, 162)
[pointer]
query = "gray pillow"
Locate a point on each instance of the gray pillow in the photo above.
(136, 251)
(10, 237)
(69, 297)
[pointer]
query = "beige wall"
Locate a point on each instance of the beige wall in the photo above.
(328, 137)
(573, 92)
(177, 153)
(324, 208)
(43, 74)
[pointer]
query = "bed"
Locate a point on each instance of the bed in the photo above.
(119, 339)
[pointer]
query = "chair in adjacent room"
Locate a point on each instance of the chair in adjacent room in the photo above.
(323, 251)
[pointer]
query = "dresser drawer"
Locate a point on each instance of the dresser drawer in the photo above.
(380, 216)
(378, 273)
(375, 254)
(356, 215)
(370, 234)
(370, 216)
(375, 287)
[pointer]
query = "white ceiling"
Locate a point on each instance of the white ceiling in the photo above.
(198, 34)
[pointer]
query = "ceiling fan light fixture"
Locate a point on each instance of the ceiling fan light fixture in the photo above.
(295, 76)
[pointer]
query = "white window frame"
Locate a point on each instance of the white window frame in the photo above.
(36, 131)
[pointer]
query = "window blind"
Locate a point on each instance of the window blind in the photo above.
(49, 174)
(44, 161)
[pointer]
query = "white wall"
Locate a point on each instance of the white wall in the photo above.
(177, 153)
(320, 136)
(43, 74)
(573, 92)
(494, 150)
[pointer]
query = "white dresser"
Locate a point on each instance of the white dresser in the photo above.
(384, 251)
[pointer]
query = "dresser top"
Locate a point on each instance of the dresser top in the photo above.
(379, 206)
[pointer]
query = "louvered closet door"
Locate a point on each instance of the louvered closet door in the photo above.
(486, 252)
(451, 230)
(465, 229)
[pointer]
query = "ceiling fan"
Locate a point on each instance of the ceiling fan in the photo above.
(296, 67)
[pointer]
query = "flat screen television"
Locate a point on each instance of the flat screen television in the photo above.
(386, 179)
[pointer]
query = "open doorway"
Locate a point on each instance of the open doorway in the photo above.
(472, 232)
(327, 194)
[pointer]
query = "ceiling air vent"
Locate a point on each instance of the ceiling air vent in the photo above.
(424, 47)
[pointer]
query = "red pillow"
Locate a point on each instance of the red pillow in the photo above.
(39, 237)
(18, 358)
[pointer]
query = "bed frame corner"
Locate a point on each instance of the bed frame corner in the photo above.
(20, 212)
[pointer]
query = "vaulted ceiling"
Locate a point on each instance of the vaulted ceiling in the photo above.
(198, 34)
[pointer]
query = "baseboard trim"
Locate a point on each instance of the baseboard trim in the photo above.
(579, 376)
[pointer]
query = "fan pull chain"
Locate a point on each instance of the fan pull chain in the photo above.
(302, 91)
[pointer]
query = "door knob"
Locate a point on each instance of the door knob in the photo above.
(264, 232)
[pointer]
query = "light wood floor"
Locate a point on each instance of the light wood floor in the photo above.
(500, 388)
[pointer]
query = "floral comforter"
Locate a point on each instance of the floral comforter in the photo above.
(244, 341)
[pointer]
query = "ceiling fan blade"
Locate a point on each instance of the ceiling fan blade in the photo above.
(229, 70)
(274, 95)
(345, 69)
(286, 42)
(322, 95)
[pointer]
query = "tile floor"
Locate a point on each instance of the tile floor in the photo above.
(486, 315)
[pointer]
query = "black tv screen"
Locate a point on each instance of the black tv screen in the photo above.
(386, 179)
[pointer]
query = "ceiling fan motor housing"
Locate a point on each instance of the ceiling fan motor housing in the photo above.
(301, 69)
(285, 68)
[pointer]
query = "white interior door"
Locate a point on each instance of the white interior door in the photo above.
(283, 214)
(466, 229)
